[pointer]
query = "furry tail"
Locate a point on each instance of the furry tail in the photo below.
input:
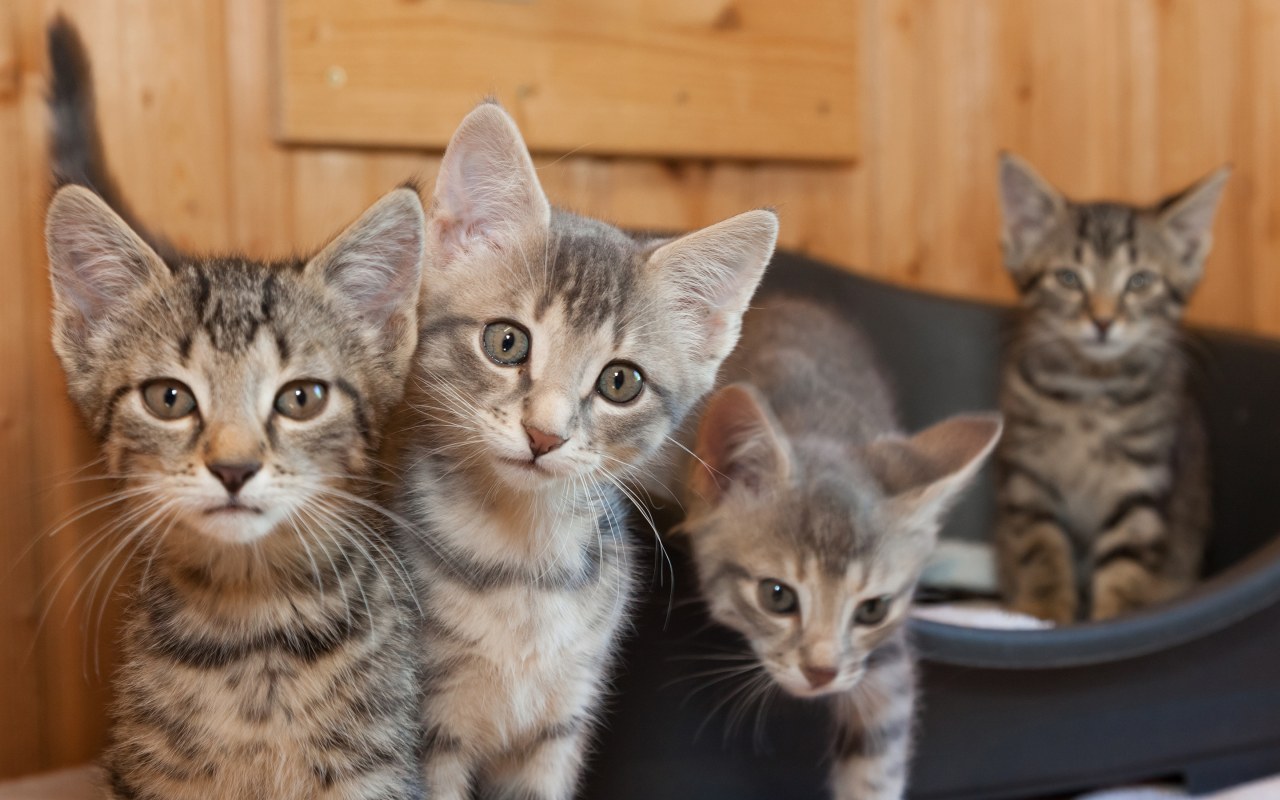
(75, 147)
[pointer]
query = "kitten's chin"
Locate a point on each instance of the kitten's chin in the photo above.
(527, 474)
(233, 524)
(1109, 350)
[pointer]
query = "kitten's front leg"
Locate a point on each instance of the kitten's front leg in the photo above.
(1131, 562)
(447, 767)
(547, 769)
(1037, 566)
(873, 727)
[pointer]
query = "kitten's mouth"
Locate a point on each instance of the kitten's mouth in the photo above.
(523, 463)
(231, 507)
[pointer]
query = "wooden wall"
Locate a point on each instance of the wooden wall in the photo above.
(1129, 98)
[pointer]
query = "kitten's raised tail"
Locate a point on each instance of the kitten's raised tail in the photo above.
(75, 147)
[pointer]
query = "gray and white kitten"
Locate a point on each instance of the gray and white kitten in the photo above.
(557, 354)
(270, 649)
(1104, 503)
(810, 517)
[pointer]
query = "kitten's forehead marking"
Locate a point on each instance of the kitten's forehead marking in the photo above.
(231, 309)
(590, 271)
(241, 383)
(1106, 230)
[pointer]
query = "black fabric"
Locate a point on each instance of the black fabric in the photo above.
(1187, 691)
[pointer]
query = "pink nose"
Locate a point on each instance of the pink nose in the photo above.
(541, 442)
(1103, 325)
(818, 676)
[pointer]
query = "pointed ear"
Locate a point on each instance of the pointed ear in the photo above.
(1029, 205)
(709, 276)
(95, 262)
(925, 474)
(487, 191)
(739, 443)
(1186, 218)
(374, 267)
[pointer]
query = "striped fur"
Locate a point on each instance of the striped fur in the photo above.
(803, 482)
(270, 646)
(1103, 471)
(523, 550)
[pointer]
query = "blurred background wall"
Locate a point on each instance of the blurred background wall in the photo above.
(872, 125)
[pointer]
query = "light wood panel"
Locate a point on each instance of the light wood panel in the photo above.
(1127, 100)
(719, 78)
(1122, 98)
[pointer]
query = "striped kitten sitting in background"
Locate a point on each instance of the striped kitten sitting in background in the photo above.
(558, 353)
(270, 648)
(1103, 471)
(811, 518)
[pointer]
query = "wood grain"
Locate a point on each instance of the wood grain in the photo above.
(1120, 98)
(715, 78)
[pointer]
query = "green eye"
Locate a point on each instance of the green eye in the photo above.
(302, 400)
(506, 343)
(777, 598)
(168, 399)
(1139, 281)
(873, 611)
(620, 382)
(1068, 278)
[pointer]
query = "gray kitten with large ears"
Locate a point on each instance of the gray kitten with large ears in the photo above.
(269, 651)
(1104, 503)
(811, 517)
(558, 353)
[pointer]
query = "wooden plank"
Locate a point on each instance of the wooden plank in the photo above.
(724, 78)
(21, 743)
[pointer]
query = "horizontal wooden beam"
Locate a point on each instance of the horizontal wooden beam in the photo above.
(744, 79)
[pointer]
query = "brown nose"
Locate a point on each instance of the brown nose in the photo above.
(541, 442)
(234, 476)
(1103, 325)
(818, 676)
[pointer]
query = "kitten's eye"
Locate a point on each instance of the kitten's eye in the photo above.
(778, 598)
(168, 399)
(1139, 281)
(620, 382)
(873, 611)
(302, 400)
(506, 343)
(1068, 278)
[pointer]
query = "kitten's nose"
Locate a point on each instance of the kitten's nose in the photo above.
(1103, 325)
(234, 476)
(818, 676)
(541, 442)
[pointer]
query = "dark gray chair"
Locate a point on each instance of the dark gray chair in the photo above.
(1188, 691)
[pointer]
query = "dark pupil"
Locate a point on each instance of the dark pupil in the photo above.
(300, 397)
(778, 592)
(508, 341)
(170, 397)
(619, 378)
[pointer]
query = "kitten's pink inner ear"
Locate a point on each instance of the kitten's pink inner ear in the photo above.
(710, 275)
(1029, 205)
(95, 258)
(1187, 216)
(739, 443)
(933, 466)
(375, 265)
(487, 191)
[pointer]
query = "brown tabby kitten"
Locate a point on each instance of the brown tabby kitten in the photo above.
(558, 352)
(270, 649)
(811, 518)
(1103, 471)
